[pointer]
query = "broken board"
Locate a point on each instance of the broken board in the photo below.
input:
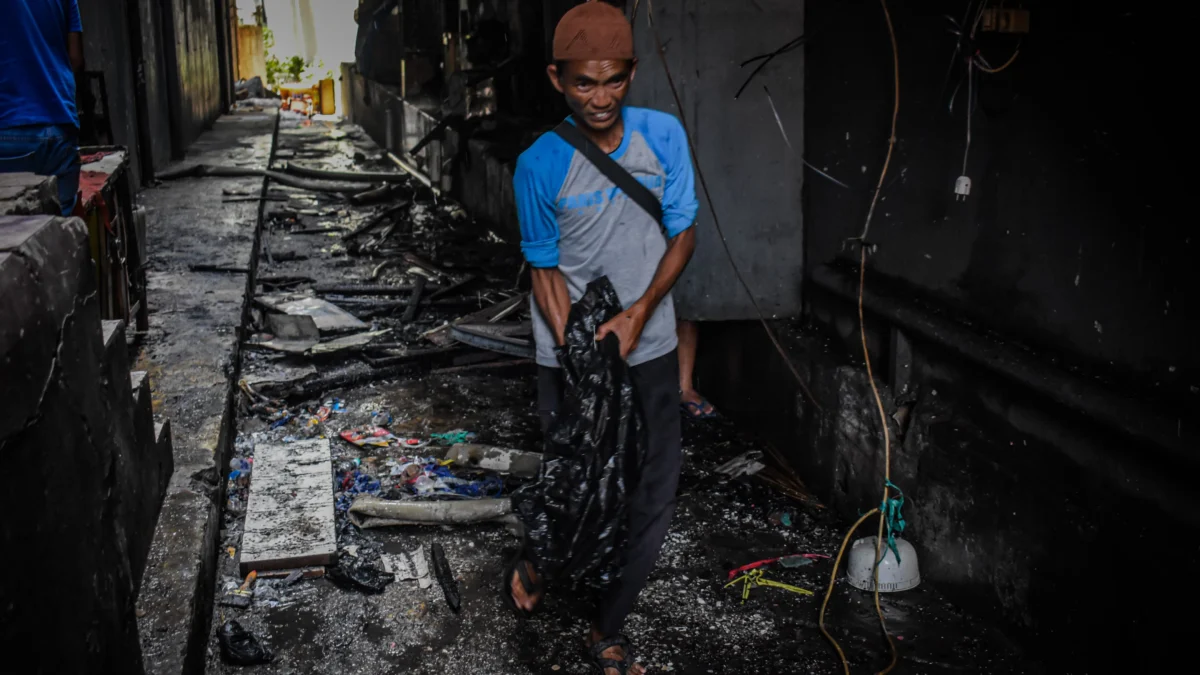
(328, 317)
(289, 517)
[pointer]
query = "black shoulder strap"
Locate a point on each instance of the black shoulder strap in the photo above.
(632, 188)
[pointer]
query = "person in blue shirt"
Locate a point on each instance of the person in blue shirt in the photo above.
(41, 51)
(577, 226)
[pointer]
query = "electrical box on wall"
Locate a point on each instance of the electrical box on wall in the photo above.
(1005, 21)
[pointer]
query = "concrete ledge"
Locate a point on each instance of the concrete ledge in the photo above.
(69, 602)
(181, 561)
(26, 194)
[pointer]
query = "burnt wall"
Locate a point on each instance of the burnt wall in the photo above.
(179, 50)
(747, 152)
(106, 48)
(1029, 342)
(158, 120)
(1064, 242)
(194, 67)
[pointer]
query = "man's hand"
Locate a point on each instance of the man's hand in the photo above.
(628, 327)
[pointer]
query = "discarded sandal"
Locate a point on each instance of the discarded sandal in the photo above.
(604, 663)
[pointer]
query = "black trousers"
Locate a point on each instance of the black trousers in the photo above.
(653, 503)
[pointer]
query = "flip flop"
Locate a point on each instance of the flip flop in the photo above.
(695, 410)
(603, 663)
(519, 566)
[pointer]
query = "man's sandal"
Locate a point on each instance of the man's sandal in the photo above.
(520, 567)
(695, 410)
(604, 663)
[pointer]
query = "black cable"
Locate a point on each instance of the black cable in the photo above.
(789, 46)
(766, 58)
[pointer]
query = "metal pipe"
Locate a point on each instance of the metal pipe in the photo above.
(389, 125)
(363, 176)
(414, 172)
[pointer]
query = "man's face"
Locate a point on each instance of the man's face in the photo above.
(594, 90)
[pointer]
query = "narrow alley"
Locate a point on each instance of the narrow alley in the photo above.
(686, 621)
(328, 327)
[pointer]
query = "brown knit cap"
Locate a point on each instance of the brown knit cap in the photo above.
(593, 31)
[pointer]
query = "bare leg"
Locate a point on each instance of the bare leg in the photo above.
(689, 340)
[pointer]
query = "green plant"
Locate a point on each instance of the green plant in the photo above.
(273, 70)
(294, 67)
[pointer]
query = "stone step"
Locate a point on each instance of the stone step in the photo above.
(151, 462)
(118, 393)
(162, 435)
(109, 330)
(142, 410)
(115, 363)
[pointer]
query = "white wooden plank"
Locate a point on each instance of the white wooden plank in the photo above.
(289, 518)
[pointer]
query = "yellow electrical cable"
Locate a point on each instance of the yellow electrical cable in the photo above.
(1006, 64)
(887, 445)
(829, 591)
(887, 457)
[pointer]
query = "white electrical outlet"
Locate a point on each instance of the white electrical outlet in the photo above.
(962, 188)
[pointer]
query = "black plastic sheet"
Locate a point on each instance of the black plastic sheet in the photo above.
(359, 576)
(240, 647)
(576, 514)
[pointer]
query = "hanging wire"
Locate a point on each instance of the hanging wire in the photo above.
(887, 446)
(970, 114)
(779, 122)
(862, 238)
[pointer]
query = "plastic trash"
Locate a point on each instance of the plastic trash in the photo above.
(455, 436)
(359, 576)
(746, 464)
(778, 518)
(576, 514)
(280, 418)
(424, 484)
(240, 647)
(373, 436)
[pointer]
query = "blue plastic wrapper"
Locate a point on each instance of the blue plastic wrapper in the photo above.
(576, 514)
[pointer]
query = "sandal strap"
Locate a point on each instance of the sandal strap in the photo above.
(531, 587)
(623, 665)
(608, 643)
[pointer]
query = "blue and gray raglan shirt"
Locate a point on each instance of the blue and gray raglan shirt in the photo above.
(574, 218)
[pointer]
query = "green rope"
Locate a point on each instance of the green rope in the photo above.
(894, 520)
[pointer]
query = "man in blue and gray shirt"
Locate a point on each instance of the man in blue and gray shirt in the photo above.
(576, 226)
